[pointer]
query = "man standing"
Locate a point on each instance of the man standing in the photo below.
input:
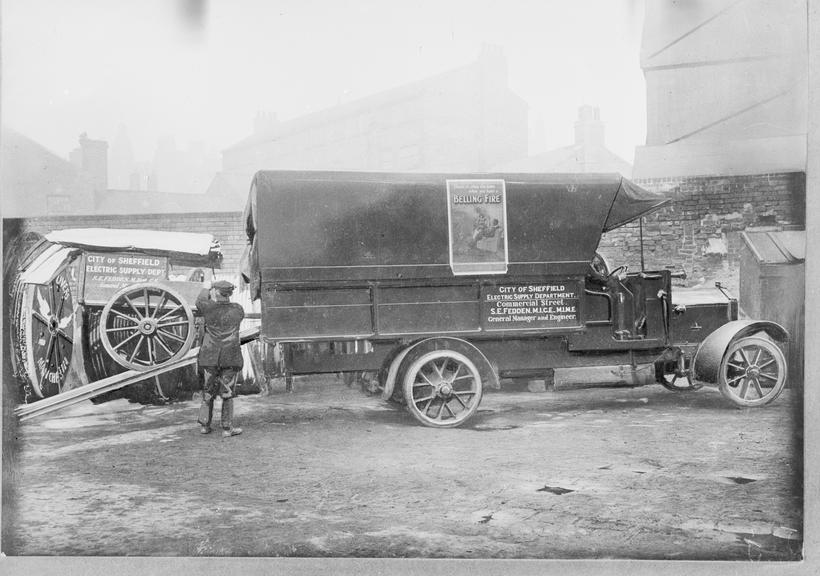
(219, 355)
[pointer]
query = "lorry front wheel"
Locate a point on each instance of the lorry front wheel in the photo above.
(442, 388)
(753, 372)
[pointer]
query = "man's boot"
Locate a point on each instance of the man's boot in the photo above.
(206, 410)
(227, 419)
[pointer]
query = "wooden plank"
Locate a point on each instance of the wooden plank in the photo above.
(115, 382)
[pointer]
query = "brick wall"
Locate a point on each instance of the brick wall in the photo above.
(225, 226)
(700, 230)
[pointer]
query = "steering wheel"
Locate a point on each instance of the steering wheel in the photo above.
(619, 272)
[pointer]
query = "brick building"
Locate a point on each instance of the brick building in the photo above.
(466, 119)
(34, 180)
(463, 120)
(727, 100)
(587, 154)
(726, 88)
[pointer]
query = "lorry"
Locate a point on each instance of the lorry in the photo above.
(436, 286)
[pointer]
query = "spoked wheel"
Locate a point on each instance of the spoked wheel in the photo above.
(45, 334)
(753, 372)
(680, 380)
(442, 388)
(145, 325)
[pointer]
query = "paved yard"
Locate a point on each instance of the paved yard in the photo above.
(328, 471)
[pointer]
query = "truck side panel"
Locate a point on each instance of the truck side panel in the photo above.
(540, 305)
(427, 309)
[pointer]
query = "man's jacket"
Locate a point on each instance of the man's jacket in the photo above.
(220, 346)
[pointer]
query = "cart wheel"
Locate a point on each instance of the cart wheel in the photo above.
(145, 325)
(46, 317)
(442, 388)
(752, 372)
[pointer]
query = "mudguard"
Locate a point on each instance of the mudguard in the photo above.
(396, 363)
(706, 363)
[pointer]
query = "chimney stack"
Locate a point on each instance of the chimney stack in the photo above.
(589, 130)
(92, 160)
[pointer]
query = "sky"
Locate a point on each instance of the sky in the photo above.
(200, 70)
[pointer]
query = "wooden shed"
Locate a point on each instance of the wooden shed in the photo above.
(773, 286)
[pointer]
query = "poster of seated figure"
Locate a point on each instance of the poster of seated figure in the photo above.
(477, 218)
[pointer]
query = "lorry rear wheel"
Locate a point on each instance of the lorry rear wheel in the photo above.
(442, 388)
(753, 372)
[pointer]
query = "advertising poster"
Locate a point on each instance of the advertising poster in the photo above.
(477, 217)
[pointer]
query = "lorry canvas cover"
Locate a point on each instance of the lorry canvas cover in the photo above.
(324, 226)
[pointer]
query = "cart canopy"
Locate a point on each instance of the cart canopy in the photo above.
(316, 226)
(119, 239)
(48, 264)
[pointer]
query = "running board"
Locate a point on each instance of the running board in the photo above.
(82, 393)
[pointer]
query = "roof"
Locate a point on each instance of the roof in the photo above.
(230, 188)
(439, 82)
(31, 174)
(777, 247)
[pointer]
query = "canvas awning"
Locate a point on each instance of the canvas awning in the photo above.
(631, 202)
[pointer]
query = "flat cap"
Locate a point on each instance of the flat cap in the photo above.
(223, 286)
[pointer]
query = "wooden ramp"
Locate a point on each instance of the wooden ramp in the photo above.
(115, 382)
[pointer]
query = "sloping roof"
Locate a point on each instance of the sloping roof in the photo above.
(29, 173)
(226, 193)
(230, 188)
(782, 247)
(578, 158)
(439, 82)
